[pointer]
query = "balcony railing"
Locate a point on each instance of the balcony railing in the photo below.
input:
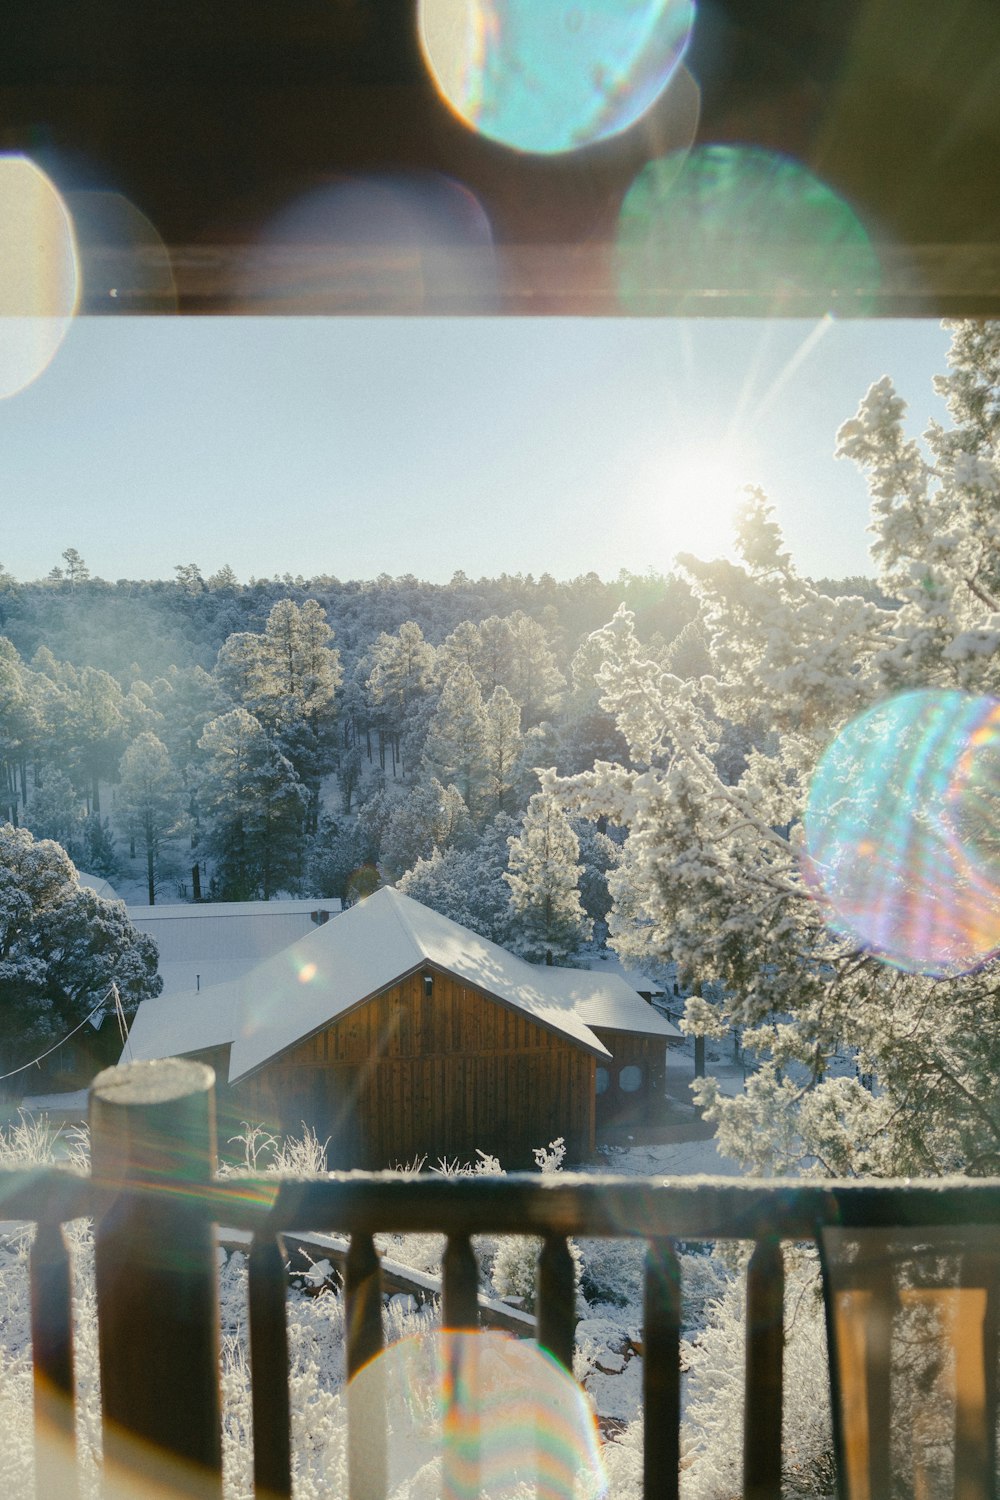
(154, 1198)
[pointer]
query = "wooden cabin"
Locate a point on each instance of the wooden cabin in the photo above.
(402, 1036)
(431, 1068)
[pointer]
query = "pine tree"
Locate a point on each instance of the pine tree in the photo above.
(17, 725)
(76, 569)
(56, 811)
(503, 746)
(402, 668)
(455, 749)
(543, 876)
(254, 805)
(287, 678)
(468, 884)
(88, 726)
(430, 817)
(535, 682)
(152, 795)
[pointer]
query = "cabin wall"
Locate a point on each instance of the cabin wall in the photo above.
(629, 1086)
(410, 1075)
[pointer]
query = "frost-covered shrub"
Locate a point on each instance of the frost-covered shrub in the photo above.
(613, 1275)
(300, 1155)
(257, 1149)
(705, 1279)
(611, 1271)
(424, 1251)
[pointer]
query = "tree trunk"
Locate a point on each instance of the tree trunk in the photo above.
(150, 876)
(196, 881)
(95, 800)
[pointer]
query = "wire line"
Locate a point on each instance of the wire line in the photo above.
(42, 1056)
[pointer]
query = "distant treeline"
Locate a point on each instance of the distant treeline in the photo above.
(151, 625)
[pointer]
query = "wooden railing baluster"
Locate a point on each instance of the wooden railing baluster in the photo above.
(987, 1268)
(367, 1464)
(661, 1372)
(461, 1283)
(363, 1303)
(460, 1475)
(765, 1342)
(52, 1362)
(268, 1299)
(556, 1311)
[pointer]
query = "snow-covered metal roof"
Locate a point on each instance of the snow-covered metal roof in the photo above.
(638, 979)
(609, 1002)
(209, 943)
(172, 1025)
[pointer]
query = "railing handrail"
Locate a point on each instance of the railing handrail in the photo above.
(577, 1203)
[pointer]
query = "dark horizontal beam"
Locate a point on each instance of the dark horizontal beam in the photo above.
(626, 1207)
(523, 280)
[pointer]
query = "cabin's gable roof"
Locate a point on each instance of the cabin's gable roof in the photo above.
(364, 952)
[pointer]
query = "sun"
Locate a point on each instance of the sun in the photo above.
(699, 494)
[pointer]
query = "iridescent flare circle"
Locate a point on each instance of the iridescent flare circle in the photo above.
(544, 76)
(753, 231)
(902, 832)
(474, 1414)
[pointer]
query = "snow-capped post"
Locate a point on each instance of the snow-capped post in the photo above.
(152, 1127)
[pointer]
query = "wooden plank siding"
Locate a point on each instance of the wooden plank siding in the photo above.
(615, 1105)
(409, 1076)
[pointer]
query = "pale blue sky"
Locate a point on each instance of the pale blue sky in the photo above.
(356, 446)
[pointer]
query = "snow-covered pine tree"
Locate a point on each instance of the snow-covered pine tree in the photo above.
(254, 805)
(454, 750)
(152, 796)
(468, 884)
(503, 745)
(61, 948)
(543, 875)
(430, 817)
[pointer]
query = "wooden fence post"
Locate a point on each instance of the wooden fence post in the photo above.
(153, 1127)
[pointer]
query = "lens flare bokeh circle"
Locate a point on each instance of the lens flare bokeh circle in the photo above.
(545, 76)
(40, 281)
(746, 225)
(902, 832)
(468, 1414)
(124, 264)
(392, 242)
